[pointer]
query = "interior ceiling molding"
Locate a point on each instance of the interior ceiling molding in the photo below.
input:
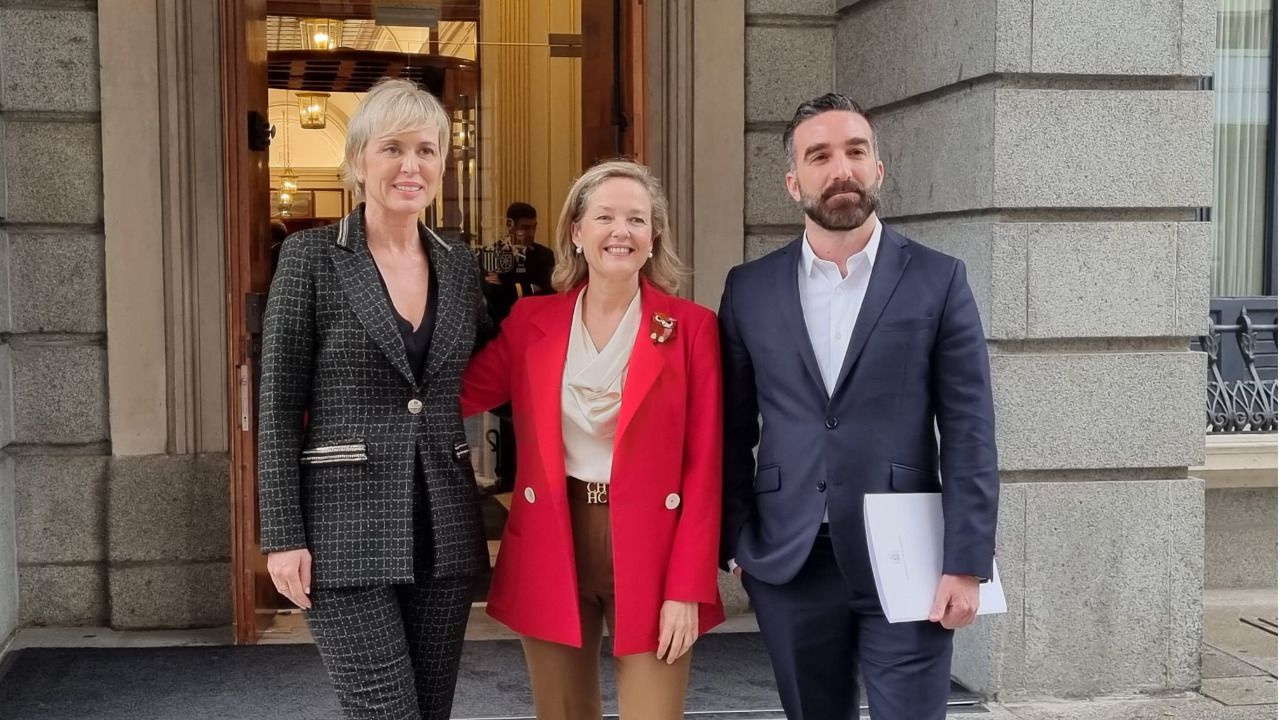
(346, 70)
(365, 9)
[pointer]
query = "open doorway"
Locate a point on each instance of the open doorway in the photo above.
(536, 92)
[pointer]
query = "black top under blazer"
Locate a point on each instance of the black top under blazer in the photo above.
(341, 484)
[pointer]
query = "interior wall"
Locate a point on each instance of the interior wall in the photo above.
(530, 116)
(530, 111)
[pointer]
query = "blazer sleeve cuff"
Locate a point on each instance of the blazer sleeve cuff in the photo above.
(279, 541)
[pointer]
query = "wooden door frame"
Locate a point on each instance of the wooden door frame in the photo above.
(614, 30)
(635, 58)
(240, 232)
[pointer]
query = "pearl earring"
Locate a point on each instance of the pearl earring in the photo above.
(577, 249)
(650, 254)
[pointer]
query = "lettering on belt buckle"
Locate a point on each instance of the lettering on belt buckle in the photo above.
(597, 493)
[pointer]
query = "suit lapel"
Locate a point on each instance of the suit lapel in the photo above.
(891, 262)
(545, 359)
(793, 312)
(360, 282)
(450, 293)
(647, 360)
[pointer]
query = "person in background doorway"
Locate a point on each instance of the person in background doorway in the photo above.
(369, 513)
(531, 263)
(614, 384)
(530, 275)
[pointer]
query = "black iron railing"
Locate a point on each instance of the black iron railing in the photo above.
(1240, 400)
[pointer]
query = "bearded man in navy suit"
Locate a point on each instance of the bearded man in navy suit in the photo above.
(855, 362)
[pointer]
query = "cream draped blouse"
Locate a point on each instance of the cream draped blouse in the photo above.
(591, 393)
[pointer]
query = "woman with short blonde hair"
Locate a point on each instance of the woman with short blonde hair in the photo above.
(389, 108)
(369, 512)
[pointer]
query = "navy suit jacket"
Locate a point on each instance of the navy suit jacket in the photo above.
(917, 359)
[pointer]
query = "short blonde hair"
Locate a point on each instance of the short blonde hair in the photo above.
(391, 107)
(664, 269)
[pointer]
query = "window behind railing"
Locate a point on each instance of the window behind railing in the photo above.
(1244, 154)
(1240, 338)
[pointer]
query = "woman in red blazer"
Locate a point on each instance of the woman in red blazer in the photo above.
(616, 396)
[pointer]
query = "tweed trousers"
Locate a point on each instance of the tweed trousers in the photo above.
(392, 651)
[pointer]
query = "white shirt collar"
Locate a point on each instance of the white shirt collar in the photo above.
(808, 257)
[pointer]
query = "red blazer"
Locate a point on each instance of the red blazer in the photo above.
(667, 452)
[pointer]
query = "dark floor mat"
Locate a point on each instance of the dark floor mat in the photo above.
(287, 682)
(731, 675)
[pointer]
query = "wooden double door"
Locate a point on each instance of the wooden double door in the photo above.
(501, 155)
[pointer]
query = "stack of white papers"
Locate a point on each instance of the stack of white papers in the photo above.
(904, 537)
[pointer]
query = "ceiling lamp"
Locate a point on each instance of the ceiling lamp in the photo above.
(288, 178)
(313, 110)
(288, 182)
(320, 33)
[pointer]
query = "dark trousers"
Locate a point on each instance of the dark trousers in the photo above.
(819, 636)
(392, 651)
(506, 466)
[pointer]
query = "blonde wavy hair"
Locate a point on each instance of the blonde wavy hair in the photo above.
(391, 106)
(664, 269)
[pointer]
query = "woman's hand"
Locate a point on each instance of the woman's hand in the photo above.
(677, 629)
(290, 570)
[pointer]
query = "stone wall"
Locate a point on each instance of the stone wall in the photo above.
(8, 556)
(94, 539)
(52, 245)
(1062, 153)
(1240, 537)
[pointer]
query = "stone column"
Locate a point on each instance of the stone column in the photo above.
(1062, 153)
(166, 489)
(52, 359)
(8, 557)
(790, 58)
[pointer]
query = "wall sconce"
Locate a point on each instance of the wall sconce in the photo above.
(320, 33)
(464, 130)
(461, 138)
(312, 110)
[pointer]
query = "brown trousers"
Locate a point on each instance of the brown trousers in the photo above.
(565, 679)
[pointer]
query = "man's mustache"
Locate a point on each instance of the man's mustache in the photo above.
(837, 188)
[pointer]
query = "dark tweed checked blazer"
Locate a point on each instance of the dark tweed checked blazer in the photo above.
(342, 485)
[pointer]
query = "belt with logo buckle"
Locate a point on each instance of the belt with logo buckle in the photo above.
(597, 493)
(592, 493)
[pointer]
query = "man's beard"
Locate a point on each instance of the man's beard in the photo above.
(845, 213)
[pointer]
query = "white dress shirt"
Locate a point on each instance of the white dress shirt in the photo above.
(591, 394)
(831, 303)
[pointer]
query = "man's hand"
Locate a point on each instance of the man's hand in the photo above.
(956, 604)
(677, 629)
(290, 570)
(492, 279)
